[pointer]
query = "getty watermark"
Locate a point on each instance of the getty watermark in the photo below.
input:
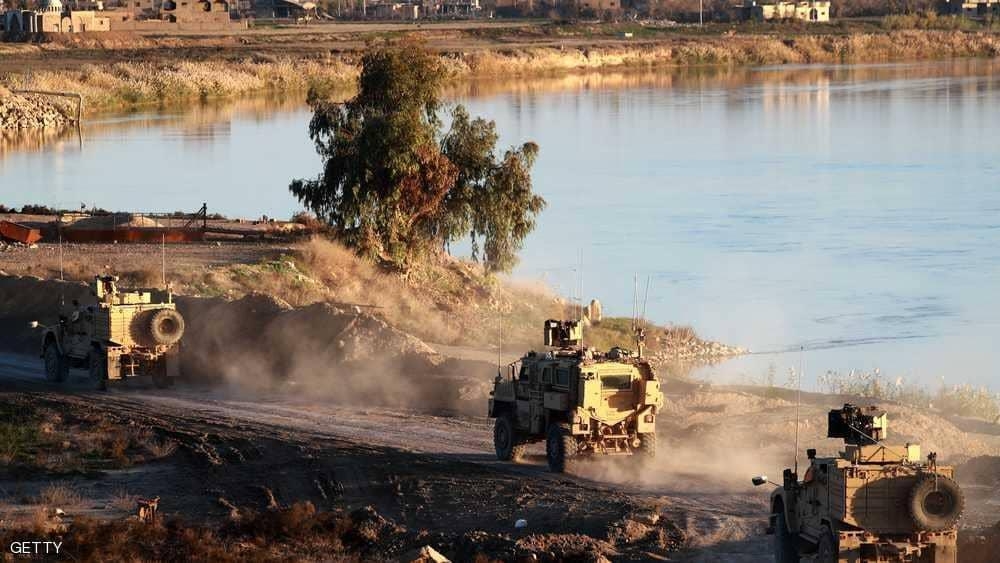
(31, 548)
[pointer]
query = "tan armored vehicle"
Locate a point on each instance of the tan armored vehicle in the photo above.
(581, 402)
(873, 503)
(118, 334)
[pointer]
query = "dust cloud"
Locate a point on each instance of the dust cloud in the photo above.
(685, 466)
(343, 355)
(260, 344)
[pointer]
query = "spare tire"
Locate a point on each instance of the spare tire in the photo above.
(936, 503)
(166, 327)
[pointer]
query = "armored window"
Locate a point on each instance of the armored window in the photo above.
(616, 381)
(562, 376)
(547, 375)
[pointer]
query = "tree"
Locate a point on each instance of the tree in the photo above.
(394, 186)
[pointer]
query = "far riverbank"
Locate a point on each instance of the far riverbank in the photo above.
(159, 74)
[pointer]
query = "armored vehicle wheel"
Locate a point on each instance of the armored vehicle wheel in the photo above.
(166, 327)
(786, 548)
(936, 503)
(828, 550)
(505, 440)
(98, 363)
(560, 448)
(647, 445)
(56, 367)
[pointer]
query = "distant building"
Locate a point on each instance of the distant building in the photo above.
(810, 11)
(395, 10)
(451, 7)
(518, 7)
(283, 9)
(600, 5)
(975, 9)
(52, 17)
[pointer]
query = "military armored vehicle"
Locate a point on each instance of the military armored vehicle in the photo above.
(117, 334)
(872, 503)
(579, 401)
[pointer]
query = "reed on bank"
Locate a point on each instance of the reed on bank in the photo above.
(133, 84)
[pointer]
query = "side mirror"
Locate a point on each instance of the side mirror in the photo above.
(759, 480)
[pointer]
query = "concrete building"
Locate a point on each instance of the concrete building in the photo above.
(451, 7)
(515, 6)
(395, 10)
(976, 9)
(52, 17)
(600, 6)
(133, 15)
(810, 11)
(283, 9)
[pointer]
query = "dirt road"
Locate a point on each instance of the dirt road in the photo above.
(437, 473)
(228, 429)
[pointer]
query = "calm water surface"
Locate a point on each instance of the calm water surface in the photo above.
(850, 211)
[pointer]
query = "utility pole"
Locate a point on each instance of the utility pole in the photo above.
(701, 13)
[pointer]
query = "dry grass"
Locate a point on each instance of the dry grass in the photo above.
(59, 496)
(131, 84)
(160, 449)
(963, 400)
(15, 441)
(34, 438)
(298, 533)
(141, 83)
(737, 50)
(442, 299)
(123, 500)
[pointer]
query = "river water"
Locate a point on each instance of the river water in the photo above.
(838, 217)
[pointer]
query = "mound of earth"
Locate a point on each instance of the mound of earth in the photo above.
(343, 352)
(26, 299)
(260, 341)
(982, 470)
(114, 220)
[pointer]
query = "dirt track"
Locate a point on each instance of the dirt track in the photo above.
(451, 455)
(437, 473)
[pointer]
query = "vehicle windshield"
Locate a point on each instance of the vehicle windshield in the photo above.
(616, 381)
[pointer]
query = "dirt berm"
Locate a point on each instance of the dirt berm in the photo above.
(259, 342)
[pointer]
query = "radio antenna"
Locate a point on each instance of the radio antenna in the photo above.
(635, 300)
(580, 285)
(62, 287)
(499, 329)
(645, 300)
(798, 403)
(163, 259)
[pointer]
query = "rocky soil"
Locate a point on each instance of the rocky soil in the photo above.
(30, 112)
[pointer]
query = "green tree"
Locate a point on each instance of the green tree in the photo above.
(394, 185)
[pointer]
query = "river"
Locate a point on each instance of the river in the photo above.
(834, 217)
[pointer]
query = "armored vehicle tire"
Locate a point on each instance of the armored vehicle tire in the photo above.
(828, 550)
(98, 363)
(505, 440)
(166, 327)
(560, 448)
(56, 367)
(647, 445)
(786, 548)
(936, 503)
